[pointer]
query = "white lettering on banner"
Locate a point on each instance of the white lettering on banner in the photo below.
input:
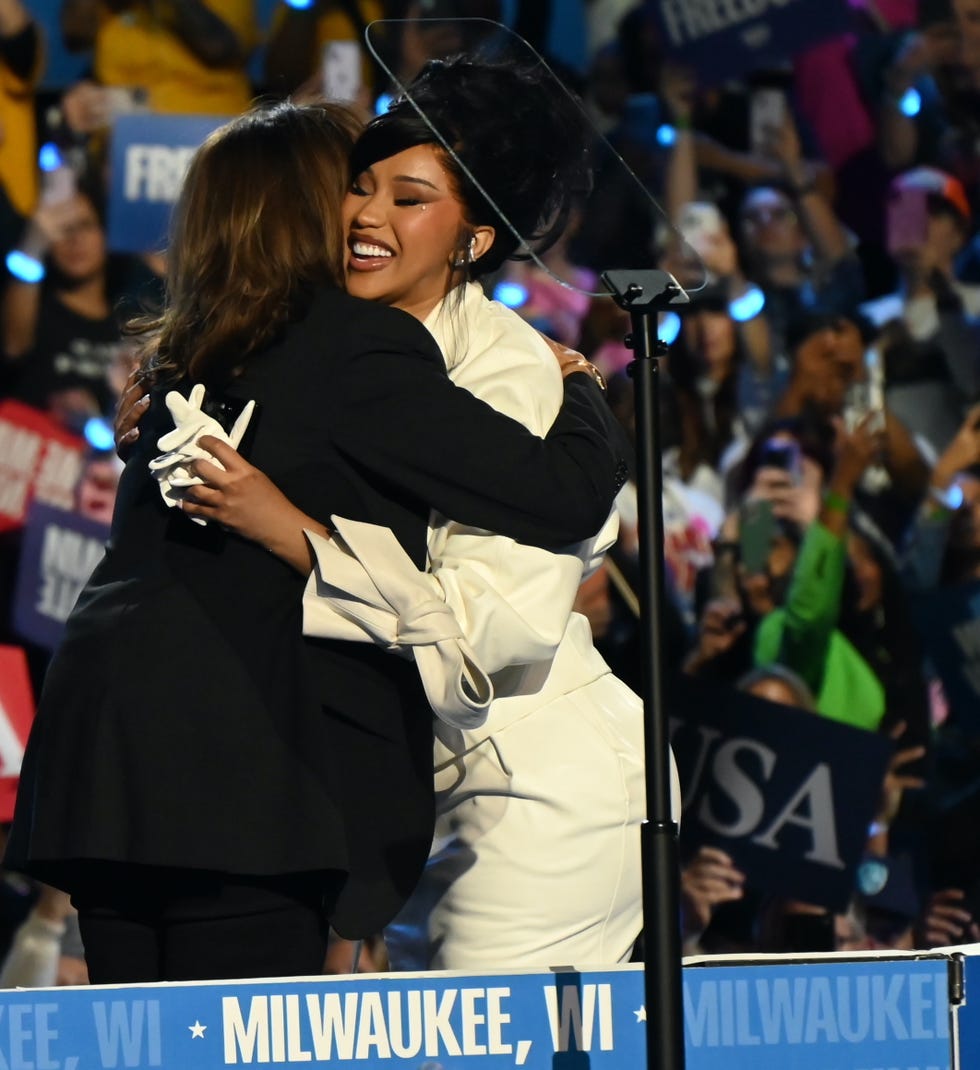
(122, 1026)
(155, 172)
(26, 1036)
(691, 20)
(817, 792)
(19, 452)
(346, 1026)
(572, 1016)
(19, 447)
(739, 787)
(11, 748)
(13, 493)
(67, 561)
(816, 1010)
(60, 468)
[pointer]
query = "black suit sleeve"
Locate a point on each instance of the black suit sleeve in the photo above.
(396, 414)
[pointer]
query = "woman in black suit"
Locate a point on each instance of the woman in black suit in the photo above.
(211, 787)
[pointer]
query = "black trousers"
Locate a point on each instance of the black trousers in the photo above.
(142, 924)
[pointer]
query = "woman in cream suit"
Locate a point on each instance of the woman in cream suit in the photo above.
(540, 792)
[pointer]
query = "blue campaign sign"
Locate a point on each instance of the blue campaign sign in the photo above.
(724, 39)
(948, 621)
(58, 552)
(846, 1014)
(969, 1014)
(149, 157)
(787, 794)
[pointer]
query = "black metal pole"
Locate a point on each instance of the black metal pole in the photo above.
(643, 294)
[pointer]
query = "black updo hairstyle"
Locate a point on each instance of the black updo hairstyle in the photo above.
(515, 129)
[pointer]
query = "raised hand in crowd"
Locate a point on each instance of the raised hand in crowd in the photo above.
(962, 452)
(855, 451)
(793, 499)
(722, 623)
(946, 920)
(709, 879)
(86, 107)
(897, 781)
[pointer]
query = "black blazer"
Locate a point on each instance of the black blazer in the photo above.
(185, 721)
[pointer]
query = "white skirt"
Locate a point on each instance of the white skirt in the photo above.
(536, 857)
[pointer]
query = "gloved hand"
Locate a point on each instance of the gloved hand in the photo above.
(180, 447)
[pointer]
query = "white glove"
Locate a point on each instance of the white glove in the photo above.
(180, 445)
(365, 588)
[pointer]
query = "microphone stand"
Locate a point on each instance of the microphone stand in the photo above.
(644, 293)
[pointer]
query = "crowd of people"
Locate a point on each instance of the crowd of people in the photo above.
(820, 413)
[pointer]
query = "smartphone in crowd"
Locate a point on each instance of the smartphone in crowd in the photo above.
(756, 529)
(783, 453)
(767, 113)
(701, 225)
(341, 70)
(907, 221)
(867, 397)
(57, 176)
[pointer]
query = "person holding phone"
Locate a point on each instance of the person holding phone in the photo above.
(795, 247)
(928, 223)
(211, 787)
(60, 338)
(536, 855)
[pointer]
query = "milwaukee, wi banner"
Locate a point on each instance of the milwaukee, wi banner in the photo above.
(848, 1015)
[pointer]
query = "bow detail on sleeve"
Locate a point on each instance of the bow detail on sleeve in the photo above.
(180, 446)
(365, 588)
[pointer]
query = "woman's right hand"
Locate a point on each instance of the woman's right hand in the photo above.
(133, 403)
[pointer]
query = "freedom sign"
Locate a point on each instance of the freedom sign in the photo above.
(724, 39)
(149, 158)
(848, 1014)
(786, 793)
(58, 553)
(39, 461)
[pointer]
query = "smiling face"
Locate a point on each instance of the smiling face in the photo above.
(405, 227)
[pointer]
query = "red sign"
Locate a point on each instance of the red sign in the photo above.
(16, 715)
(39, 460)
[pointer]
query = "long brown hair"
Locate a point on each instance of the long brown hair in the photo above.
(257, 224)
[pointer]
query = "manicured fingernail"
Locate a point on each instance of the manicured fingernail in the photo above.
(144, 400)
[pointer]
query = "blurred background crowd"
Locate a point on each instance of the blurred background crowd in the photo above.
(820, 410)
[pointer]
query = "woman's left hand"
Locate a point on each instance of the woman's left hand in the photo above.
(236, 494)
(571, 361)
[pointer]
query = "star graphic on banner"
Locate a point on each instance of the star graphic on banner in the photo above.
(197, 1030)
(641, 1014)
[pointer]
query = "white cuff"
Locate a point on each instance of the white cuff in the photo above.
(365, 588)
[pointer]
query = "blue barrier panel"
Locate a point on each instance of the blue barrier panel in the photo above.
(969, 1014)
(836, 1014)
